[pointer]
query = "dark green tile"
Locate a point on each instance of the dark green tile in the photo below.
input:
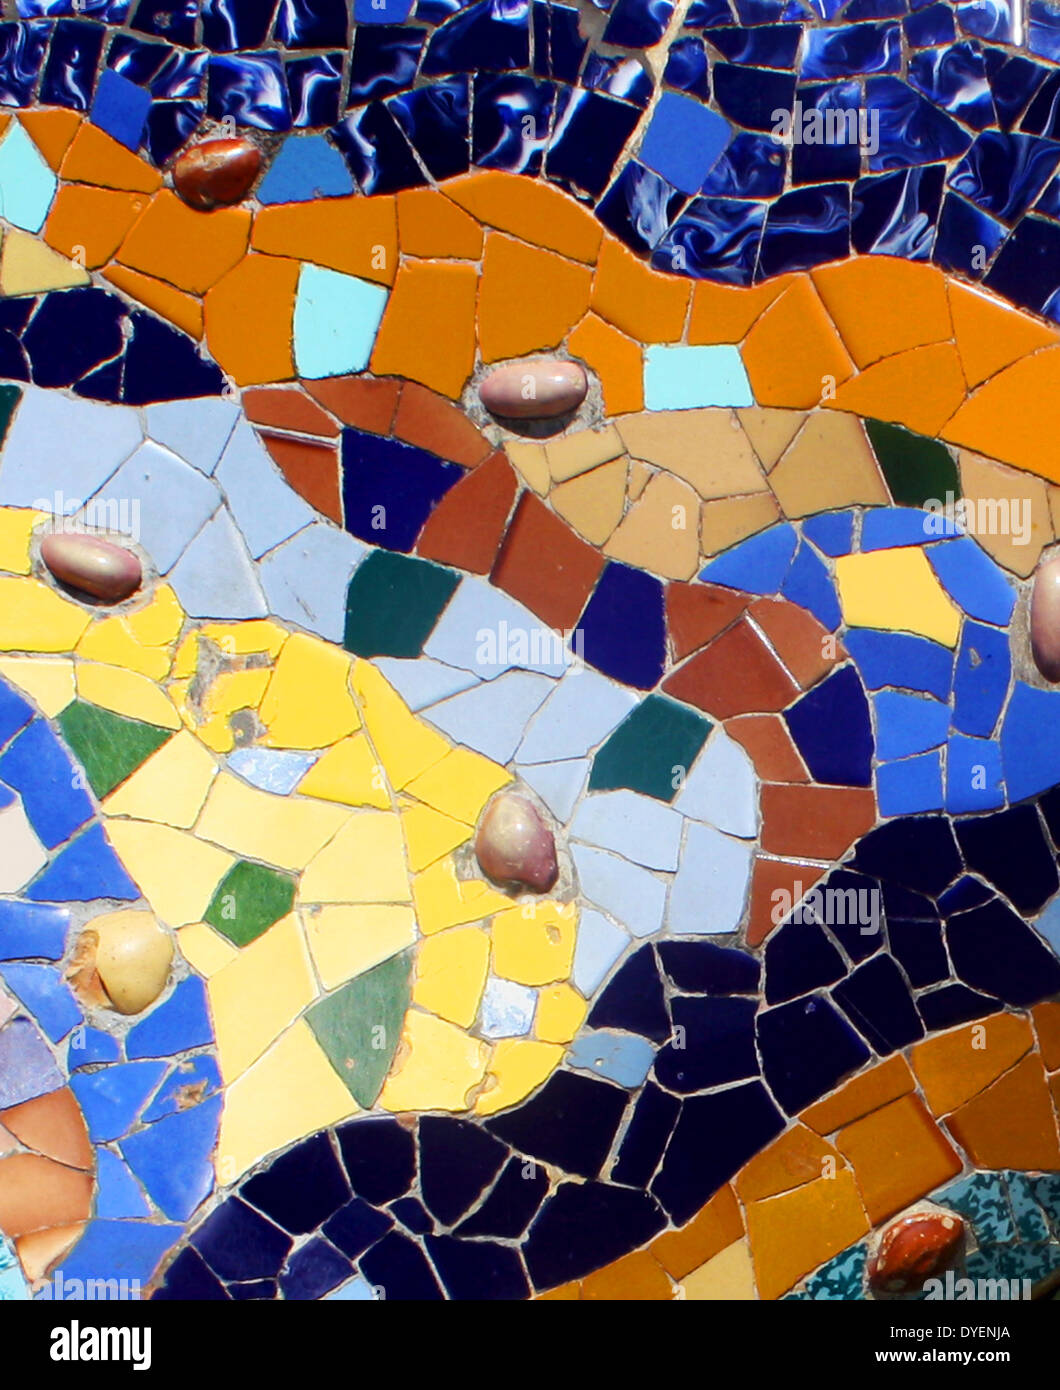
(643, 753)
(248, 900)
(107, 745)
(916, 468)
(359, 1026)
(9, 399)
(393, 603)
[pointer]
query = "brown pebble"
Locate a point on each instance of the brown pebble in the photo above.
(1045, 619)
(912, 1248)
(514, 845)
(536, 390)
(217, 173)
(93, 565)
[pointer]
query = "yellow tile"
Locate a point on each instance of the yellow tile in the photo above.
(158, 622)
(205, 950)
(560, 1013)
(285, 831)
(170, 786)
(531, 462)
(256, 996)
(459, 785)
(896, 590)
(728, 1277)
(451, 971)
(176, 872)
(441, 900)
(16, 527)
(232, 690)
(240, 639)
(429, 834)
(348, 773)
(346, 940)
(660, 532)
(109, 640)
(186, 660)
(577, 453)
(517, 1067)
(291, 1092)
(594, 502)
(404, 745)
(308, 703)
(49, 683)
(33, 618)
(364, 863)
(441, 1066)
(534, 944)
(125, 692)
(216, 732)
(30, 267)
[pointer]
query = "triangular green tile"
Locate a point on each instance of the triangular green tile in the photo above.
(393, 603)
(652, 741)
(917, 469)
(248, 900)
(108, 746)
(359, 1026)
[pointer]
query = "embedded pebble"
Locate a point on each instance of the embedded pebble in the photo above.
(217, 173)
(94, 566)
(912, 1248)
(514, 845)
(1045, 619)
(534, 390)
(133, 957)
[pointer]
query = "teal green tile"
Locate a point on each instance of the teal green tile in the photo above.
(393, 604)
(248, 900)
(642, 754)
(916, 468)
(359, 1025)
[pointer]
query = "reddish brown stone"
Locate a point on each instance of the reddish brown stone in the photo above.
(767, 740)
(540, 388)
(467, 526)
(545, 566)
(312, 469)
(697, 612)
(514, 845)
(819, 822)
(217, 173)
(798, 638)
(1045, 619)
(913, 1248)
(769, 877)
(93, 565)
(366, 403)
(736, 674)
(431, 422)
(288, 408)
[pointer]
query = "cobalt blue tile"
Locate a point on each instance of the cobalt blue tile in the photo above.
(90, 1045)
(197, 1078)
(686, 67)
(250, 88)
(163, 364)
(314, 89)
(713, 1044)
(436, 121)
(313, 1270)
(819, 156)
(112, 1098)
(702, 967)
(120, 108)
(973, 775)
(954, 79)
(118, 1194)
(120, 1250)
(571, 1122)
(238, 1243)
(683, 141)
(1029, 750)
(511, 120)
(907, 724)
(798, 958)
(379, 1156)
(807, 1048)
(701, 14)
(474, 1270)
(172, 1158)
(302, 1188)
(929, 27)
(832, 532)
(72, 333)
(918, 949)
(638, 23)
(620, 77)
(69, 75)
(1027, 268)
(356, 1226)
(646, 1136)
(136, 59)
(558, 45)
(993, 949)
(966, 893)
(967, 238)
(397, 11)
(639, 207)
(494, 35)
(895, 214)
(168, 19)
(38, 767)
(832, 730)
(182, 1022)
(1049, 202)
(1043, 32)
(893, 658)
(624, 628)
(1003, 173)
(920, 853)
(398, 1265)
(750, 96)
(885, 527)
(982, 679)
(458, 1161)
(584, 1226)
(306, 168)
(751, 166)
(170, 124)
(183, 74)
(188, 1277)
(758, 565)
(765, 46)
(850, 50)
(512, 1203)
(972, 579)
(376, 151)
(588, 139)
(43, 992)
(413, 1215)
(229, 25)
(1014, 81)
(876, 999)
(988, 19)
(715, 239)
(22, 50)
(911, 129)
(406, 482)
(384, 61)
(1010, 851)
(32, 932)
(714, 1137)
(312, 23)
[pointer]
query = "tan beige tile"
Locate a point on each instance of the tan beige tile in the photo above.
(707, 448)
(728, 1277)
(731, 519)
(661, 531)
(577, 453)
(1007, 511)
(593, 503)
(530, 462)
(639, 474)
(829, 464)
(770, 431)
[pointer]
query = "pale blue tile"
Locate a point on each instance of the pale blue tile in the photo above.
(584, 708)
(620, 1057)
(557, 784)
(491, 717)
(306, 578)
(599, 945)
(485, 631)
(264, 506)
(421, 681)
(272, 769)
(355, 1290)
(507, 1009)
(197, 431)
(630, 895)
(710, 888)
(61, 445)
(685, 378)
(214, 577)
(722, 788)
(638, 827)
(175, 501)
(336, 318)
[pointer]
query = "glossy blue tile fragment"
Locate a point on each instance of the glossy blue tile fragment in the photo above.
(15, 713)
(899, 659)
(313, 1270)
(32, 932)
(250, 88)
(988, 19)
(172, 1158)
(749, 97)
(22, 49)
(639, 207)
(87, 868)
(46, 995)
(120, 108)
(907, 724)
(314, 23)
(994, 949)
(799, 958)
(716, 1044)
(919, 950)
(228, 25)
(620, 77)
(620, 1057)
(69, 75)
(686, 67)
(129, 1250)
(828, 123)
(240, 1244)
(836, 704)
(624, 628)
(27, 1068)
(195, 1079)
(895, 214)
(714, 238)
(1026, 269)
(386, 11)
(406, 482)
(758, 565)
(117, 1192)
(170, 124)
(588, 139)
(849, 50)
(683, 141)
(558, 44)
(87, 1046)
(511, 121)
(806, 1047)
(764, 46)
(376, 151)
(638, 23)
(809, 584)
(435, 120)
(384, 61)
(1003, 173)
(73, 332)
(53, 791)
(876, 999)
(751, 166)
(954, 79)
(1043, 33)
(182, 1022)
(885, 527)
(183, 74)
(306, 169)
(911, 129)
(493, 34)
(982, 679)
(954, 1004)
(967, 238)
(973, 580)
(111, 1099)
(804, 228)
(832, 532)
(930, 26)
(314, 89)
(163, 364)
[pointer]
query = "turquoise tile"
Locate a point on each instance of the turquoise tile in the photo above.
(336, 318)
(683, 378)
(27, 185)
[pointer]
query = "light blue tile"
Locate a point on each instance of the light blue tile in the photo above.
(557, 784)
(911, 785)
(214, 577)
(638, 827)
(620, 1057)
(630, 895)
(507, 1009)
(599, 945)
(722, 788)
(485, 631)
(1048, 924)
(355, 1290)
(421, 681)
(27, 185)
(306, 578)
(59, 444)
(685, 378)
(710, 888)
(578, 716)
(263, 505)
(491, 718)
(12, 1284)
(336, 318)
(272, 769)
(196, 431)
(306, 168)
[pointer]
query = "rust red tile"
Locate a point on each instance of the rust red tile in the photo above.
(804, 645)
(768, 877)
(467, 526)
(368, 403)
(767, 740)
(697, 612)
(431, 422)
(818, 822)
(288, 408)
(736, 674)
(545, 566)
(311, 468)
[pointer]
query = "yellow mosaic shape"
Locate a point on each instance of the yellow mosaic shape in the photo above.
(896, 590)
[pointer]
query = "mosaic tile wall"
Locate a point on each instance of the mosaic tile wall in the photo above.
(529, 648)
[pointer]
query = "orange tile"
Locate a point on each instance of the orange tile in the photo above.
(190, 249)
(724, 313)
(355, 235)
(636, 1278)
(182, 309)
(249, 320)
(36, 1193)
(93, 157)
(428, 329)
(711, 1230)
(920, 389)
(861, 1096)
(52, 1125)
(430, 225)
(51, 132)
(898, 1154)
(883, 305)
(992, 334)
(530, 210)
(96, 219)
(40, 1251)
(615, 359)
(794, 352)
(528, 299)
(1047, 1026)
(956, 1066)
(636, 299)
(1012, 1124)
(1012, 416)
(794, 1233)
(564, 1293)
(797, 1157)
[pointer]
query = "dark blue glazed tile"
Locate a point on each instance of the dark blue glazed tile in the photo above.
(458, 1161)
(702, 14)
(1027, 268)
(258, 1289)
(702, 967)
(250, 88)
(624, 628)
(954, 1004)
(646, 1136)
(895, 214)
(993, 949)
(512, 1204)
(182, 1022)
(856, 922)
(238, 1243)
(120, 108)
(1043, 33)
(188, 1277)
(170, 124)
(43, 992)
(639, 207)
(987, 19)
(966, 238)
(807, 1048)
(137, 59)
(827, 158)
(493, 35)
(920, 853)
(302, 1188)
(918, 949)
(804, 228)
(32, 932)
(356, 1226)
(314, 88)
(313, 1270)
(312, 23)
(619, 77)
(511, 121)
(38, 767)
(399, 1267)
(877, 1001)
(982, 679)
(376, 151)
(198, 1078)
(384, 61)
(1049, 202)
(683, 141)
(850, 50)
(713, 1044)
(1014, 80)
(584, 1226)
(112, 1098)
(686, 68)
(1049, 805)
(1042, 116)
(929, 27)
(380, 1158)
(231, 25)
(473, 1270)
(571, 1122)
(897, 659)
(767, 46)
(397, 11)
(558, 44)
(171, 1158)
(104, 384)
(435, 120)
(1009, 849)
(911, 129)
(799, 957)
(167, 19)
(69, 76)
(163, 364)
(833, 732)
(182, 75)
(590, 134)
(750, 96)
(638, 23)
(715, 239)
(955, 80)
(406, 482)
(22, 50)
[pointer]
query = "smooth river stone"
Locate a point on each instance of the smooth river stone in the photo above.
(217, 173)
(534, 390)
(94, 566)
(1045, 619)
(514, 845)
(912, 1248)
(133, 957)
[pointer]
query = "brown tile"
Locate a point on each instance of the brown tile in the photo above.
(797, 1157)
(311, 469)
(36, 1193)
(711, 1230)
(769, 877)
(767, 740)
(955, 1067)
(288, 408)
(697, 612)
(794, 1233)
(467, 526)
(736, 674)
(1012, 1124)
(860, 1096)
(803, 644)
(42, 1250)
(545, 566)
(364, 402)
(431, 422)
(898, 1154)
(636, 1278)
(52, 1125)
(819, 822)
(1047, 1026)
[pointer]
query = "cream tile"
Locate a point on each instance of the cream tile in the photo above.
(345, 940)
(170, 786)
(285, 831)
(364, 863)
